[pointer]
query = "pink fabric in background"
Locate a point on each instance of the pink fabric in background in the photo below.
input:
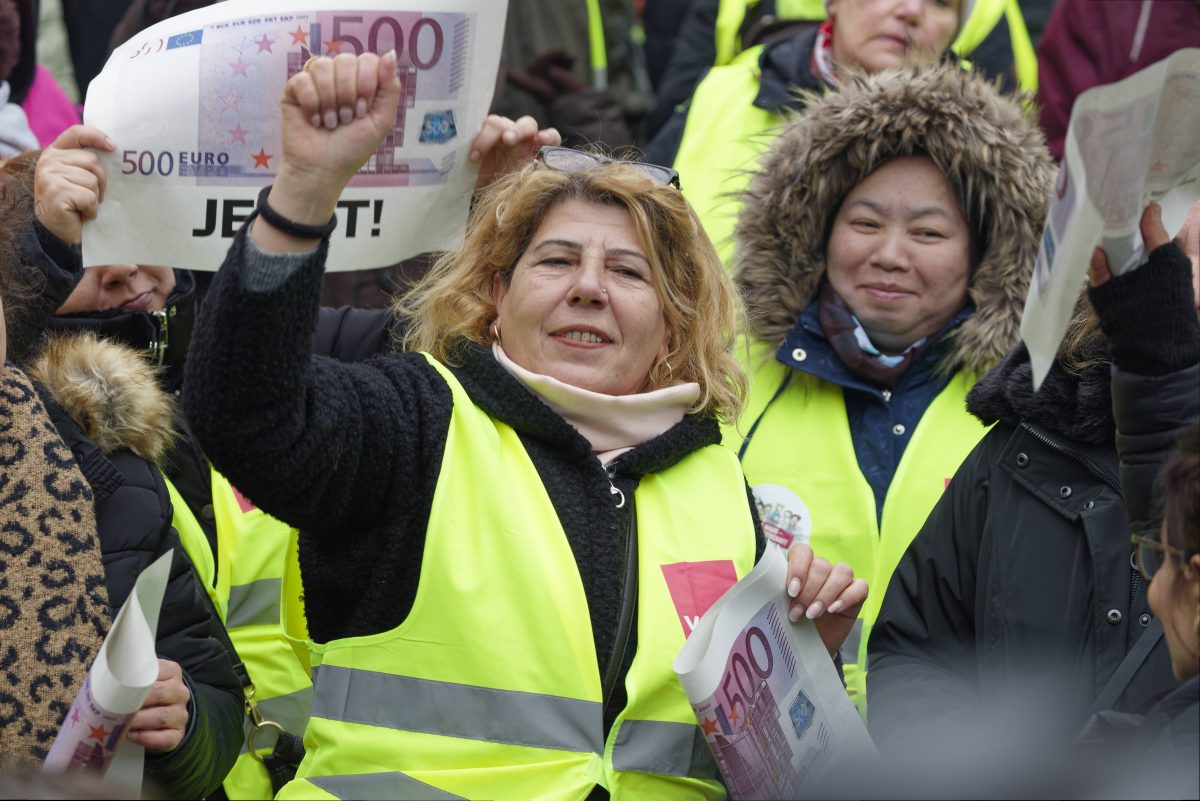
(48, 108)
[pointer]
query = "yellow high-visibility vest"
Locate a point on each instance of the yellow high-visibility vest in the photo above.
(244, 581)
(723, 138)
(491, 687)
(802, 442)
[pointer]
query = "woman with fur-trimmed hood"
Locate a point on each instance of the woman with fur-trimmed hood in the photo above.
(884, 252)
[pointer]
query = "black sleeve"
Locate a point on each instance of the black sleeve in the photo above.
(693, 54)
(921, 653)
(1149, 317)
(186, 634)
(318, 443)
(1149, 314)
(661, 22)
(664, 147)
(1151, 413)
(188, 629)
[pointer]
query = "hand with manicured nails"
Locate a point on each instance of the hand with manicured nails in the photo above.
(160, 723)
(825, 593)
(68, 181)
(504, 145)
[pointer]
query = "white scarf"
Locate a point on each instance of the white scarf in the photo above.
(613, 424)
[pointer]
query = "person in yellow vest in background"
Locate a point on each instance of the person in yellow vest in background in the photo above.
(736, 20)
(884, 253)
(730, 120)
(994, 38)
(504, 529)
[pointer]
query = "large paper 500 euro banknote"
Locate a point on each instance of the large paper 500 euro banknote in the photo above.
(766, 694)
(193, 107)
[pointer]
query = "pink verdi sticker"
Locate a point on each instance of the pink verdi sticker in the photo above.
(696, 586)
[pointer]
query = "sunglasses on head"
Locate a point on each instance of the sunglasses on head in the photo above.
(564, 159)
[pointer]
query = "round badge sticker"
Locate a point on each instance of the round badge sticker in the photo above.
(785, 518)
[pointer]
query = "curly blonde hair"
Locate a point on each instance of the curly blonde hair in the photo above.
(452, 305)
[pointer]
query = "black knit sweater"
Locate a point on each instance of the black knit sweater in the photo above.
(350, 453)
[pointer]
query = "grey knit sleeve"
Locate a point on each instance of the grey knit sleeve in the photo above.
(267, 272)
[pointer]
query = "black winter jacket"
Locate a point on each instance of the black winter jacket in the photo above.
(133, 519)
(1149, 316)
(293, 442)
(346, 333)
(1021, 580)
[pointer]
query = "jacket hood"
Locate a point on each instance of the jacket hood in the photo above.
(980, 139)
(110, 391)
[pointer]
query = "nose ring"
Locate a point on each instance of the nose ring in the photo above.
(603, 291)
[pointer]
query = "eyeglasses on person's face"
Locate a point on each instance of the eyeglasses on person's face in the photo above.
(564, 159)
(1151, 553)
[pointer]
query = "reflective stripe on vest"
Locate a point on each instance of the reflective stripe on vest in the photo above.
(254, 604)
(505, 716)
(457, 710)
(252, 548)
(490, 688)
(381, 787)
(723, 138)
(659, 746)
(803, 442)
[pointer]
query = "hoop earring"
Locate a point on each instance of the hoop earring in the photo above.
(495, 331)
(670, 373)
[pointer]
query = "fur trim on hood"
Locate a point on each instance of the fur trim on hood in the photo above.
(982, 139)
(110, 390)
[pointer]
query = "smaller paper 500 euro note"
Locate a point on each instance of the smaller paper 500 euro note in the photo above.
(765, 692)
(118, 682)
(193, 107)
(1128, 143)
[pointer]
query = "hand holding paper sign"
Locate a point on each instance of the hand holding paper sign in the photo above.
(335, 113)
(764, 690)
(202, 135)
(825, 593)
(119, 681)
(1153, 234)
(161, 722)
(68, 181)
(1151, 316)
(1128, 144)
(505, 144)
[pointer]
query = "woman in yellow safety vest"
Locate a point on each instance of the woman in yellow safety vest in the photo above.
(718, 136)
(884, 254)
(504, 536)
